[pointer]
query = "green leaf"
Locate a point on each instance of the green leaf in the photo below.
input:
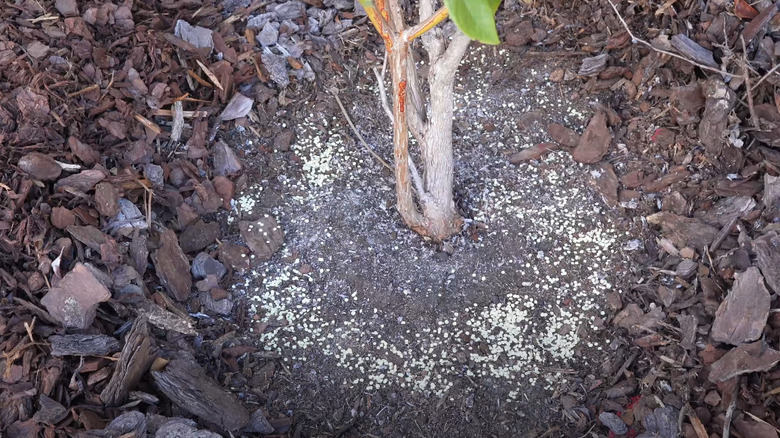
(475, 18)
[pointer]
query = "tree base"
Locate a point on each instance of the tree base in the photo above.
(438, 229)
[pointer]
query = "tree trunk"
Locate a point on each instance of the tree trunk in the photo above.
(442, 220)
(433, 214)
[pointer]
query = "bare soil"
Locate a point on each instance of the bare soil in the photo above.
(380, 333)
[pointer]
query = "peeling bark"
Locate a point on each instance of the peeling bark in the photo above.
(433, 213)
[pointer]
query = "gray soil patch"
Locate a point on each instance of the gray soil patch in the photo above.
(379, 332)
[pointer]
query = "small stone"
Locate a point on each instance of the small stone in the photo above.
(154, 174)
(269, 35)
(259, 424)
(37, 49)
(687, 268)
(220, 307)
(205, 265)
(289, 10)
(198, 36)
(217, 293)
(687, 253)
(225, 160)
(198, 236)
(277, 68)
(614, 423)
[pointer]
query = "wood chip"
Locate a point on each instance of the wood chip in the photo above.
(211, 75)
(186, 384)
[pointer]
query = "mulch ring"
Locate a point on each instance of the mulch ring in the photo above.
(117, 193)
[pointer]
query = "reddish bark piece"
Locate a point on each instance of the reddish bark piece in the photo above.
(74, 301)
(684, 231)
(84, 152)
(32, 105)
(636, 321)
(686, 103)
(235, 256)
(676, 174)
(742, 316)
(563, 135)
(62, 218)
(225, 189)
(40, 166)
(283, 140)
(263, 236)
(754, 429)
(743, 10)
(205, 199)
(606, 182)
(521, 34)
(67, 8)
(83, 181)
(720, 100)
(532, 153)
(747, 358)
(89, 235)
(172, 266)
(106, 199)
(594, 142)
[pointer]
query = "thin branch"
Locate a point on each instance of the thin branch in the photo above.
(413, 127)
(748, 89)
(424, 26)
(380, 81)
(418, 182)
(672, 54)
(769, 73)
(454, 54)
(335, 94)
(416, 114)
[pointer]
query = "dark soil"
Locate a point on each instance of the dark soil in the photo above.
(389, 335)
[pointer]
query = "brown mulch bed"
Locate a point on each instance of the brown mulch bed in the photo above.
(115, 260)
(694, 161)
(115, 256)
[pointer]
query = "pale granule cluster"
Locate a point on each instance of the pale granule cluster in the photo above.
(521, 341)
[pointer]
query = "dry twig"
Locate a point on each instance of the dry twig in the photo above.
(665, 52)
(748, 88)
(335, 94)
